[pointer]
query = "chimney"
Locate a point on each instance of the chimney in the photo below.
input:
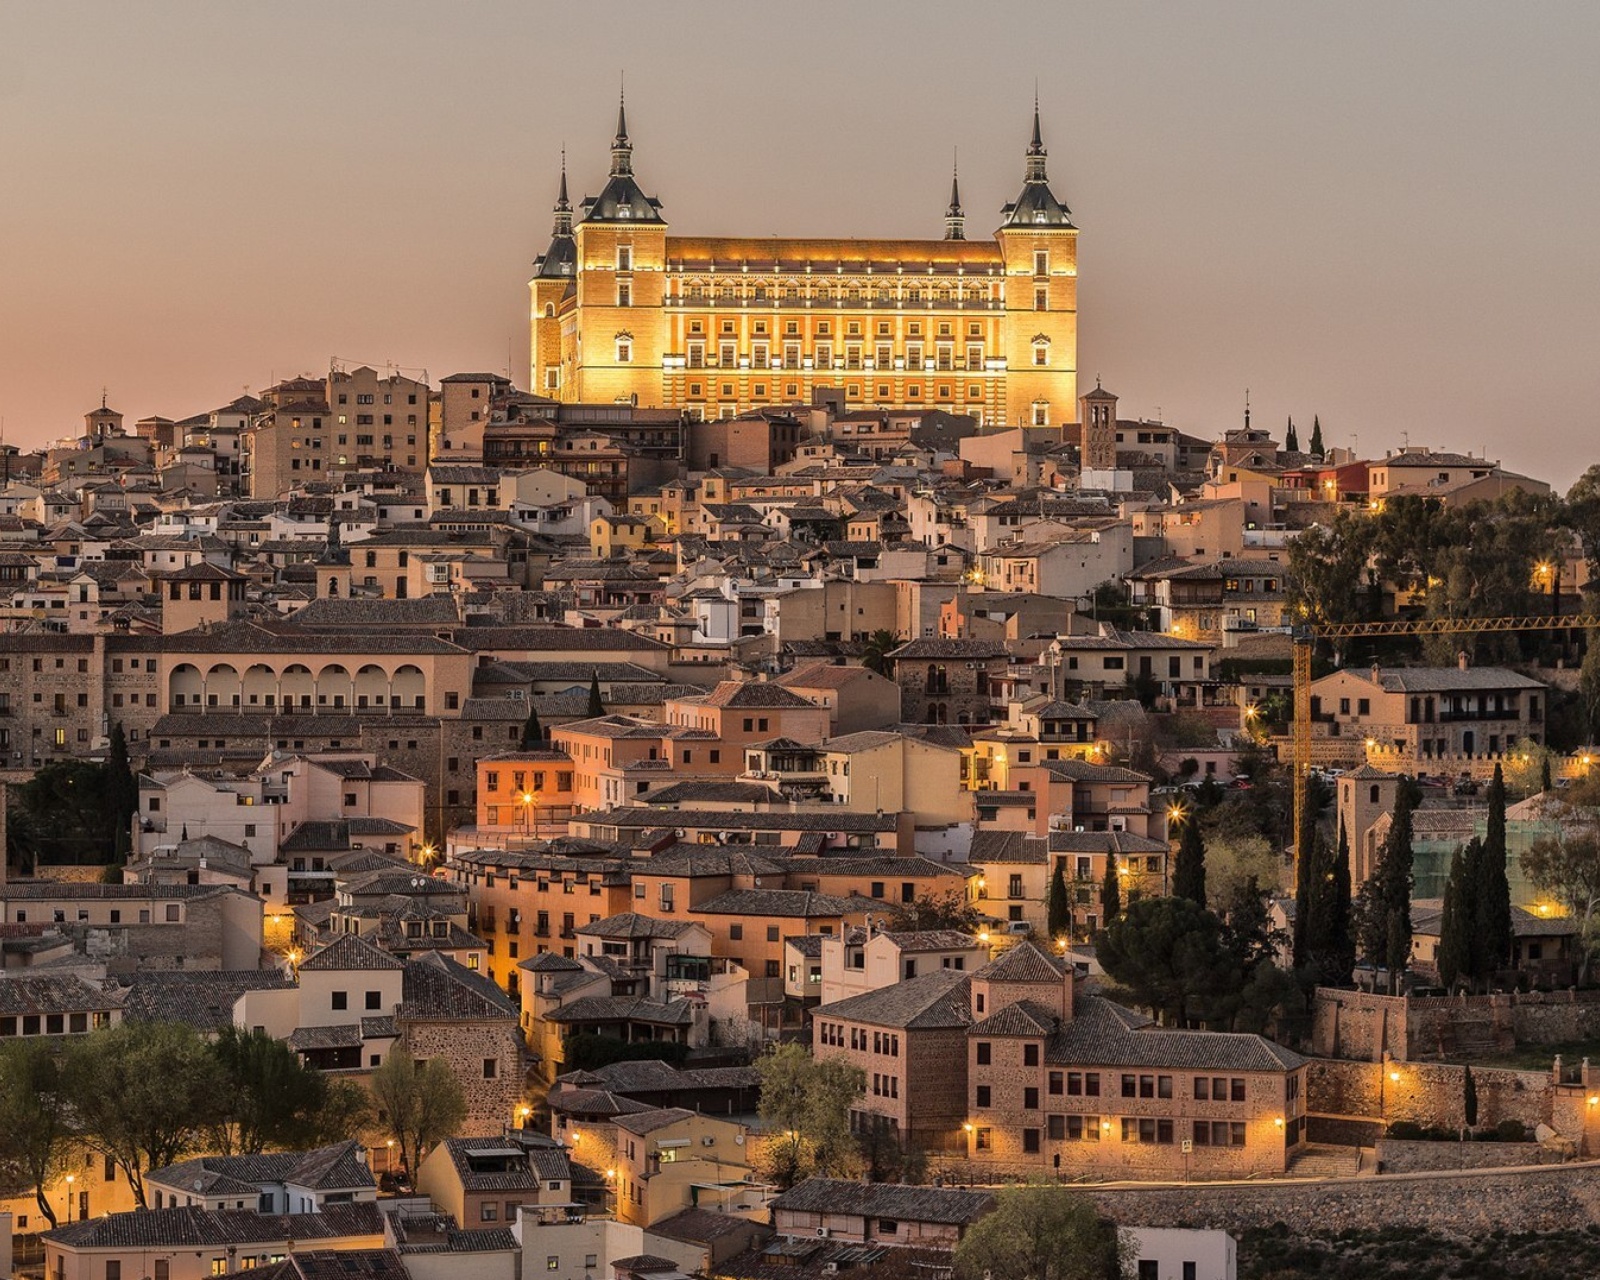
(1377, 671)
(1462, 661)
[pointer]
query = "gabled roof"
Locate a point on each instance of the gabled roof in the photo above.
(437, 988)
(1023, 963)
(350, 951)
(928, 1002)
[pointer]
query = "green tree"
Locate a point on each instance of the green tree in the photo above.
(1340, 952)
(1589, 682)
(1189, 869)
(273, 1100)
(1170, 955)
(1042, 1233)
(122, 791)
(65, 813)
(948, 910)
(1231, 864)
(1494, 889)
(34, 1118)
(807, 1102)
(1527, 768)
(1060, 907)
(1110, 894)
(420, 1104)
(1385, 907)
(880, 644)
(144, 1094)
(597, 706)
(1469, 1098)
(1567, 866)
(1316, 437)
(1454, 958)
(532, 730)
(1291, 440)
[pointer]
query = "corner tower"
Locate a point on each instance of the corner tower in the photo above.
(1039, 250)
(620, 245)
(554, 282)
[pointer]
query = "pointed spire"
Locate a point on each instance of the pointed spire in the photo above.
(563, 220)
(1036, 152)
(954, 220)
(621, 148)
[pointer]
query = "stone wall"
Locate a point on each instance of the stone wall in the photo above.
(1454, 1204)
(1427, 1094)
(1397, 1156)
(465, 1046)
(1361, 1026)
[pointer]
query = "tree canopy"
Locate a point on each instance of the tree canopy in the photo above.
(807, 1102)
(1042, 1233)
(421, 1103)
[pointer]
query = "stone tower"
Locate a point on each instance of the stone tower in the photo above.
(1039, 248)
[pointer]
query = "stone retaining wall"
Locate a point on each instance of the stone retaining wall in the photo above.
(1398, 1156)
(1465, 1204)
(1363, 1026)
(1428, 1093)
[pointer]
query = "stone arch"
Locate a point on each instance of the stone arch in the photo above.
(333, 686)
(408, 688)
(260, 686)
(186, 686)
(371, 687)
(298, 687)
(222, 686)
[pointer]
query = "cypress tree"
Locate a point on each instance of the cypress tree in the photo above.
(1110, 894)
(1291, 441)
(1453, 958)
(1494, 891)
(532, 731)
(597, 706)
(1469, 1099)
(1060, 910)
(1316, 436)
(1394, 886)
(1341, 958)
(1189, 872)
(122, 791)
(1545, 784)
(1309, 936)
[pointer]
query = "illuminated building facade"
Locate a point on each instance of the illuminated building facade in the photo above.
(623, 311)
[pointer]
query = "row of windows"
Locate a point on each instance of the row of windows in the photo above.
(1087, 1083)
(852, 391)
(1133, 1130)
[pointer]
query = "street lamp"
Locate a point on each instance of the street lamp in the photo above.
(70, 1180)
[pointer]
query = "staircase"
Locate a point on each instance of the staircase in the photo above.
(1318, 1161)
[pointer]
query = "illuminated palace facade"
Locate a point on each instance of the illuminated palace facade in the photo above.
(623, 311)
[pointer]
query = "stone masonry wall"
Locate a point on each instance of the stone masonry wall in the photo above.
(491, 1103)
(1428, 1094)
(1397, 1156)
(1455, 1204)
(1362, 1026)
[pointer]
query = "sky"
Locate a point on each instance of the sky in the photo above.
(1379, 213)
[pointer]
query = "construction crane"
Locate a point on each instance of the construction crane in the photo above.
(1305, 640)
